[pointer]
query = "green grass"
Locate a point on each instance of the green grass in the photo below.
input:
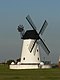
(38, 74)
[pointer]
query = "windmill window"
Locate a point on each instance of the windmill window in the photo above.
(37, 50)
(38, 58)
(24, 58)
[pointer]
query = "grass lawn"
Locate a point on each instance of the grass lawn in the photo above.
(37, 74)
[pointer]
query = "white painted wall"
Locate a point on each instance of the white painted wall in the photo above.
(29, 57)
(23, 67)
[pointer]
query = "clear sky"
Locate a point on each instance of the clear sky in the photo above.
(13, 13)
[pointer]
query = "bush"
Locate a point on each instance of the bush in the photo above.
(10, 61)
(54, 66)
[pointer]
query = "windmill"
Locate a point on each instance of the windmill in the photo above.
(32, 40)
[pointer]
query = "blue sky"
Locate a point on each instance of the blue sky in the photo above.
(13, 13)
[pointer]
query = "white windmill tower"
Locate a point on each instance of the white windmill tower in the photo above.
(30, 56)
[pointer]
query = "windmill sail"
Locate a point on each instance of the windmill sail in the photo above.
(43, 45)
(43, 27)
(31, 22)
(31, 46)
(35, 48)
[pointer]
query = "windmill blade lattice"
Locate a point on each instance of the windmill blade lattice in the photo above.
(35, 48)
(31, 22)
(31, 45)
(43, 27)
(43, 45)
